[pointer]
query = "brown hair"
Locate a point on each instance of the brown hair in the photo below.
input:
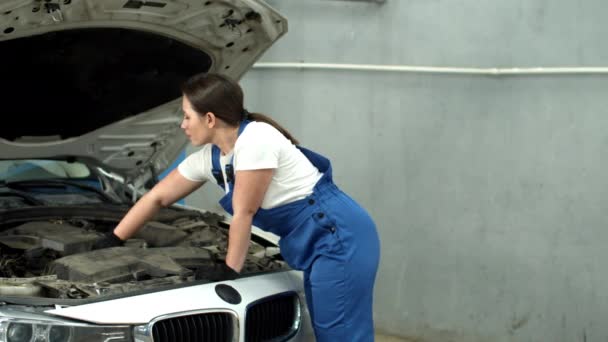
(208, 92)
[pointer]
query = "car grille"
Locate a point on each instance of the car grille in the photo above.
(275, 318)
(214, 326)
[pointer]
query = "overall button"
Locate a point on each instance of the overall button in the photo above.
(311, 201)
(333, 229)
(320, 215)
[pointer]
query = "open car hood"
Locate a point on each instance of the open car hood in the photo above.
(99, 79)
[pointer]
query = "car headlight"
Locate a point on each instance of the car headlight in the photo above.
(20, 330)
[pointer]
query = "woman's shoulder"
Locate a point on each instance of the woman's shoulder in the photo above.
(259, 126)
(261, 131)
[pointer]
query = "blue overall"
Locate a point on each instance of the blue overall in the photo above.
(333, 240)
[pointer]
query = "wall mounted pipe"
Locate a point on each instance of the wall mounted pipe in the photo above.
(436, 70)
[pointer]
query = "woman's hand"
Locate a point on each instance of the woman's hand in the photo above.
(216, 272)
(108, 240)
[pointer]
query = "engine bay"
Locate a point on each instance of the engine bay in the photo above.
(49, 254)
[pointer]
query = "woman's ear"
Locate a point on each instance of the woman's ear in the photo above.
(210, 119)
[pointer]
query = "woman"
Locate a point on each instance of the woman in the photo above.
(281, 188)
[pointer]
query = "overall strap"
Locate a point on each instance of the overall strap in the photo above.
(242, 126)
(216, 168)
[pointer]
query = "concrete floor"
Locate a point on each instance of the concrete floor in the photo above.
(386, 338)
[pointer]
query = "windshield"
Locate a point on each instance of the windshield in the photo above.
(40, 169)
(36, 182)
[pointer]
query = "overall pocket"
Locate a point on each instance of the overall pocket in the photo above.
(331, 234)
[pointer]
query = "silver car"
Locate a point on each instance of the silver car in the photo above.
(92, 91)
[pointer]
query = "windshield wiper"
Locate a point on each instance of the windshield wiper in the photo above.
(13, 192)
(57, 183)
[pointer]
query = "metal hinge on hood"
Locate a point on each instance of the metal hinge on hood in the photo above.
(55, 11)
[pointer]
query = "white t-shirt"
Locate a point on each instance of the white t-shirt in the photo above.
(260, 146)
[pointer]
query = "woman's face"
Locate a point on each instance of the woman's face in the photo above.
(195, 126)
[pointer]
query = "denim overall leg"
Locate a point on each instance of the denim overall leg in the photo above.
(334, 241)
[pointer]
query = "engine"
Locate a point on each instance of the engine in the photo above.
(53, 257)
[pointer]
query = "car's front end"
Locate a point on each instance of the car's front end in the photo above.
(54, 287)
(92, 89)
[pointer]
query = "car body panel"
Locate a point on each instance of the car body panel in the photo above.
(140, 309)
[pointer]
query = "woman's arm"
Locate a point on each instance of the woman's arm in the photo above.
(249, 190)
(166, 192)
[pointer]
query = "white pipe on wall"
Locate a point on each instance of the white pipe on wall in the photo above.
(436, 70)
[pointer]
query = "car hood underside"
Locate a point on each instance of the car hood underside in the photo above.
(100, 79)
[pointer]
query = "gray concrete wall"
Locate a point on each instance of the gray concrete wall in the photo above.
(489, 192)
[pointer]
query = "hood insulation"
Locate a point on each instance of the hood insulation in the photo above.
(69, 83)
